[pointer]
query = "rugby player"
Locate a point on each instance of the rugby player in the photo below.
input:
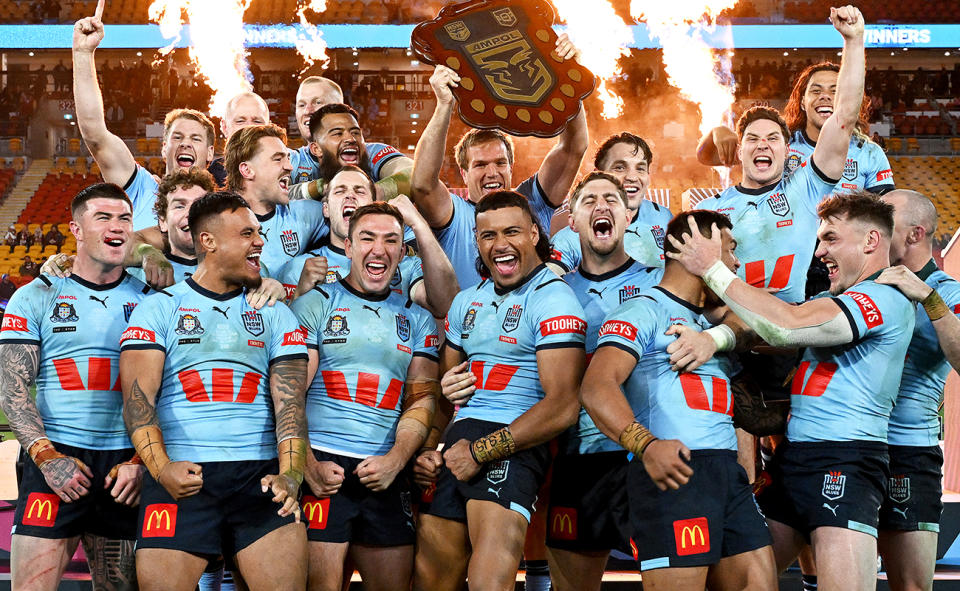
(82, 479)
(243, 110)
(910, 515)
(513, 359)
(188, 135)
(214, 402)
(588, 488)
(485, 158)
(829, 475)
(626, 157)
(373, 377)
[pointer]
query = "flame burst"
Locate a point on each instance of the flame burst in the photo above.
(311, 44)
(602, 38)
(216, 42)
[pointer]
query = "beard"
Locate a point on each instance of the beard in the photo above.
(329, 165)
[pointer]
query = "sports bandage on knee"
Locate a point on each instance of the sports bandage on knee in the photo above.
(492, 447)
(292, 455)
(718, 278)
(635, 438)
(149, 444)
(935, 306)
(42, 452)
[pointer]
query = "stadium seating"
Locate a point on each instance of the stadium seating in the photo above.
(938, 177)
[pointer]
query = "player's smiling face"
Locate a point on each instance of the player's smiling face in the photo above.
(841, 249)
(374, 248)
(818, 98)
(340, 138)
(244, 112)
(600, 216)
(103, 231)
(488, 169)
(347, 191)
(175, 223)
(763, 151)
(186, 145)
(268, 172)
(507, 240)
(310, 97)
(627, 163)
(238, 247)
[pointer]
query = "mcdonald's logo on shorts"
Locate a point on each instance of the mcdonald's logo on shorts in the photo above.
(563, 523)
(41, 509)
(316, 511)
(692, 536)
(160, 520)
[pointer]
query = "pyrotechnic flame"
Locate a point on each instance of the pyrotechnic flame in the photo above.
(311, 46)
(216, 37)
(602, 37)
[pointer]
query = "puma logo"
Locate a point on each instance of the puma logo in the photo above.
(832, 509)
(224, 312)
(103, 301)
(599, 293)
(263, 232)
(902, 512)
(495, 491)
(631, 231)
(374, 310)
(496, 305)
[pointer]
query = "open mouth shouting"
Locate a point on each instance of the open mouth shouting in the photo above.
(376, 270)
(506, 264)
(186, 160)
(253, 261)
(347, 211)
(763, 162)
(114, 242)
(832, 269)
(602, 227)
(350, 154)
(491, 186)
(824, 111)
(284, 183)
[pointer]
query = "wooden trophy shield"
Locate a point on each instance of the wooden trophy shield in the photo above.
(510, 76)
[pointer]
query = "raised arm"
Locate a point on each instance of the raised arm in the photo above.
(288, 385)
(439, 285)
(394, 178)
(718, 147)
(830, 154)
(112, 155)
(68, 477)
(427, 190)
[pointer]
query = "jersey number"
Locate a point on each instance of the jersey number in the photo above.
(819, 379)
(222, 387)
(754, 273)
(696, 394)
(368, 385)
(99, 370)
(498, 377)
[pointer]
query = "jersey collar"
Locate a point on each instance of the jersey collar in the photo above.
(267, 216)
(760, 190)
(497, 290)
(609, 274)
(181, 260)
(336, 249)
(220, 297)
(806, 138)
(682, 302)
(99, 286)
(370, 297)
(927, 270)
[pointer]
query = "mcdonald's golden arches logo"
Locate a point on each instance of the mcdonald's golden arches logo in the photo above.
(41, 509)
(563, 523)
(316, 511)
(160, 520)
(692, 536)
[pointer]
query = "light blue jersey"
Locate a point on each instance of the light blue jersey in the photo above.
(366, 343)
(77, 325)
(214, 403)
(776, 228)
(142, 191)
(182, 268)
(459, 238)
(307, 168)
(643, 240)
(697, 407)
(289, 231)
(915, 419)
(600, 295)
(500, 333)
(846, 393)
(867, 166)
(409, 271)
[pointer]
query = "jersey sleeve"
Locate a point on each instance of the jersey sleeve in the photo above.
(454, 322)
(412, 270)
(628, 328)
(310, 214)
(289, 273)
(148, 324)
(565, 249)
(426, 340)
(879, 175)
(949, 290)
(710, 203)
(21, 320)
(865, 306)
(560, 321)
(808, 185)
(287, 339)
(142, 191)
(535, 194)
(310, 310)
(380, 154)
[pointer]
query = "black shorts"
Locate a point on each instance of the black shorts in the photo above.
(710, 517)
(228, 514)
(588, 502)
(356, 513)
(512, 483)
(829, 484)
(914, 498)
(42, 514)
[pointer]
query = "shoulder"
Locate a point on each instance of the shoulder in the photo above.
(306, 206)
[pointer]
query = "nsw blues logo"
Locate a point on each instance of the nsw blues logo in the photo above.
(189, 324)
(851, 170)
(336, 326)
(497, 471)
(658, 234)
(397, 280)
(900, 488)
(512, 319)
(834, 485)
(403, 328)
(253, 322)
(628, 291)
(64, 312)
(128, 310)
(468, 319)
(290, 241)
(778, 204)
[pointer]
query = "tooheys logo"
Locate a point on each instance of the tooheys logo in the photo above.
(297, 337)
(692, 536)
(619, 328)
(136, 333)
(871, 314)
(432, 340)
(160, 520)
(563, 523)
(884, 175)
(316, 511)
(383, 153)
(41, 510)
(563, 324)
(11, 322)
(290, 289)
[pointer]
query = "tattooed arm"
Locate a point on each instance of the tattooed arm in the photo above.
(68, 477)
(141, 371)
(288, 383)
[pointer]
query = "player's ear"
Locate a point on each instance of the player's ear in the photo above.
(210, 153)
(315, 150)
(246, 170)
(872, 241)
(208, 241)
(76, 230)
